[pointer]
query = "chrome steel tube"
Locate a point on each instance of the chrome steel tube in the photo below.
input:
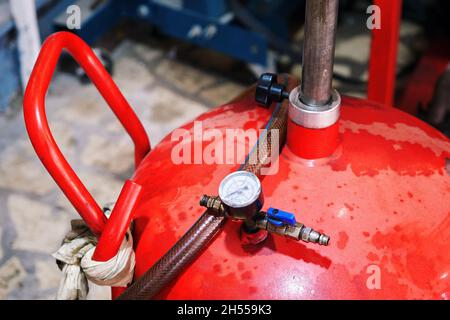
(318, 51)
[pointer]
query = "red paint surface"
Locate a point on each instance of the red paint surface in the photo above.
(321, 142)
(118, 223)
(383, 197)
(383, 53)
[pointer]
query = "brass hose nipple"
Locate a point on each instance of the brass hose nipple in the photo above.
(308, 234)
(283, 223)
(214, 204)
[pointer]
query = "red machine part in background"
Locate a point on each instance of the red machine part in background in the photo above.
(421, 86)
(383, 53)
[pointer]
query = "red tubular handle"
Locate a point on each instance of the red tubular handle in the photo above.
(118, 223)
(44, 143)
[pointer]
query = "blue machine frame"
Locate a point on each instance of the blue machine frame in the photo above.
(201, 22)
(206, 23)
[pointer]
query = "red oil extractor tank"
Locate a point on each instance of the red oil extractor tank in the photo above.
(372, 180)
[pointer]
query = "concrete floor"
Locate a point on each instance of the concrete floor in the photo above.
(34, 214)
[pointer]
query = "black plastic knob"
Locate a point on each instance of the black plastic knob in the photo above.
(268, 90)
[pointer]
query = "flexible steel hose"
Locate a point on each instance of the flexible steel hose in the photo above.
(174, 261)
(169, 266)
(256, 160)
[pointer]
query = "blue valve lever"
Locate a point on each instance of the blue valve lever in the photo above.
(280, 218)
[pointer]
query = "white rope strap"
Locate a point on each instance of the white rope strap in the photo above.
(75, 260)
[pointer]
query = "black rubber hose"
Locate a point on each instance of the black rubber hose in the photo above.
(174, 261)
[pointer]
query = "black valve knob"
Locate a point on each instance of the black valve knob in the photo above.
(268, 90)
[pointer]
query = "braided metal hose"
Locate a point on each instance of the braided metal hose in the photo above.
(256, 160)
(208, 225)
(174, 261)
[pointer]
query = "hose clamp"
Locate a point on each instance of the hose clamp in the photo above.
(314, 117)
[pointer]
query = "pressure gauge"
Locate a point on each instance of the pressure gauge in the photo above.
(241, 194)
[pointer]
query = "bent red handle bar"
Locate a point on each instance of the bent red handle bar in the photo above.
(45, 145)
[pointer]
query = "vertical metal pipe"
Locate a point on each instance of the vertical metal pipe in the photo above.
(318, 51)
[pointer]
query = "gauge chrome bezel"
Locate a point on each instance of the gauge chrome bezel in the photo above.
(233, 175)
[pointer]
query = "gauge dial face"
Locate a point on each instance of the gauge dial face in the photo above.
(239, 189)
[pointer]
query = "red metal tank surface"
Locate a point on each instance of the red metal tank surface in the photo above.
(382, 197)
